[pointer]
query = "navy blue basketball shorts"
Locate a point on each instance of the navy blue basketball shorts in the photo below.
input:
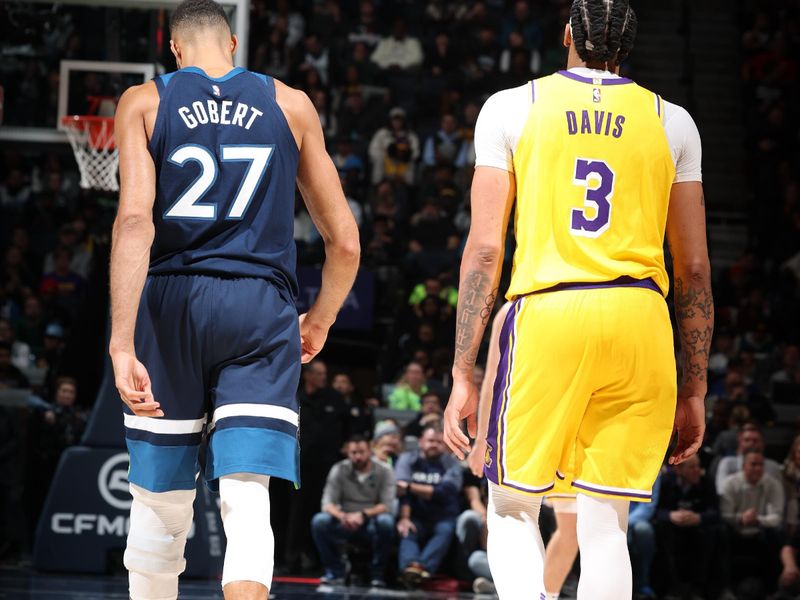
(224, 361)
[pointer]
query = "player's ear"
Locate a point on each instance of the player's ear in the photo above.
(234, 44)
(176, 52)
(567, 35)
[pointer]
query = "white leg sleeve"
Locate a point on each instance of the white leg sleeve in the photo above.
(603, 542)
(160, 523)
(250, 553)
(515, 548)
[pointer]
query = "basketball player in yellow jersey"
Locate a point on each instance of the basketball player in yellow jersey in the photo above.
(586, 388)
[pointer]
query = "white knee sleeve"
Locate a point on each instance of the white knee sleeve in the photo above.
(160, 523)
(515, 548)
(603, 541)
(245, 514)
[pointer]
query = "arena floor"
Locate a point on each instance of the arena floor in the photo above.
(22, 585)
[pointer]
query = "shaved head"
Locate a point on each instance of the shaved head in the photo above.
(195, 15)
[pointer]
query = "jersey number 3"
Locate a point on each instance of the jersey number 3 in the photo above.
(597, 178)
(188, 205)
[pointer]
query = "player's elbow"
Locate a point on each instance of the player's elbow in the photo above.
(487, 254)
(694, 268)
(347, 248)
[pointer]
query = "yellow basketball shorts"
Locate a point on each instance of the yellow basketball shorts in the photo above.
(584, 399)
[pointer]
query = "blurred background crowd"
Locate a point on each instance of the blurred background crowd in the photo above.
(398, 87)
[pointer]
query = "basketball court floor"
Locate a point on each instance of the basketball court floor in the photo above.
(26, 585)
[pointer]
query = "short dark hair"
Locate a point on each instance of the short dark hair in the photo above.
(603, 31)
(198, 14)
(357, 438)
(436, 426)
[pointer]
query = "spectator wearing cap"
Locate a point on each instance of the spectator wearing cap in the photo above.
(358, 495)
(431, 412)
(750, 438)
(429, 482)
(407, 395)
(394, 150)
(387, 442)
(752, 504)
(10, 376)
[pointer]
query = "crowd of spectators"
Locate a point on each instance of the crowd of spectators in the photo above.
(398, 87)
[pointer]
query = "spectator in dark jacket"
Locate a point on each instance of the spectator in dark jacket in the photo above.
(429, 486)
(688, 523)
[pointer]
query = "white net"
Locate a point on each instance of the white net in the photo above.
(92, 140)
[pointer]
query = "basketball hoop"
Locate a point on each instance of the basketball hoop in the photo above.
(92, 140)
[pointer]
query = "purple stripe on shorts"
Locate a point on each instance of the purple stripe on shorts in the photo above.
(658, 104)
(624, 281)
(503, 369)
(533, 91)
(589, 488)
(559, 475)
(532, 490)
(604, 80)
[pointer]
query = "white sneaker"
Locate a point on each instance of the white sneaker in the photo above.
(481, 585)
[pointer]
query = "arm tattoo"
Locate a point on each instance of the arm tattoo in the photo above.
(694, 313)
(475, 302)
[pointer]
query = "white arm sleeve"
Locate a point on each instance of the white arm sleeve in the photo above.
(499, 127)
(684, 142)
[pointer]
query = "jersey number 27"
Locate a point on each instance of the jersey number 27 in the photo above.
(597, 178)
(188, 205)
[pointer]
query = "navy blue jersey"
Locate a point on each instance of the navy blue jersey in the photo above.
(226, 163)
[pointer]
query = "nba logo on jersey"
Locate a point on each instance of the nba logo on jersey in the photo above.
(596, 95)
(215, 89)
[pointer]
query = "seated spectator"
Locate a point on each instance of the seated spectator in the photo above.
(428, 486)
(433, 240)
(471, 533)
(516, 46)
(752, 504)
(15, 276)
(431, 412)
(62, 287)
(361, 417)
(687, 521)
(20, 351)
(407, 395)
(791, 484)
(398, 51)
(727, 440)
(750, 438)
(387, 442)
(789, 580)
(790, 369)
(642, 541)
(394, 150)
(522, 22)
(434, 286)
(32, 324)
(356, 503)
(10, 376)
(444, 145)
(69, 237)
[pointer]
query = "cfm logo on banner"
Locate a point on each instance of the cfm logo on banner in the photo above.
(86, 517)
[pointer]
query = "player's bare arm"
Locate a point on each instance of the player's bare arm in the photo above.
(492, 196)
(477, 455)
(694, 311)
(132, 237)
(321, 189)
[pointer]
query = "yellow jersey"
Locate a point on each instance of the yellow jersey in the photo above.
(593, 172)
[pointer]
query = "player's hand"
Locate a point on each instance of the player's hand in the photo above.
(463, 404)
(477, 457)
(789, 576)
(133, 385)
(690, 426)
(405, 526)
(312, 338)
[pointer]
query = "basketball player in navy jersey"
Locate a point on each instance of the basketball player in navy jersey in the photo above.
(206, 342)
